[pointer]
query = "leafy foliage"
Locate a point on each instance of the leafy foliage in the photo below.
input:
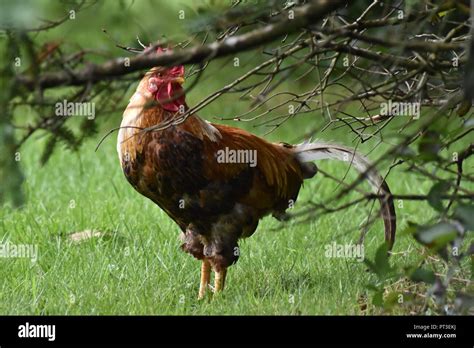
(438, 292)
(11, 176)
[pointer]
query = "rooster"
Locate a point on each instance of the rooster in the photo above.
(214, 203)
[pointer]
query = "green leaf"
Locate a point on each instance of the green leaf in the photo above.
(377, 299)
(423, 275)
(435, 195)
(442, 13)
(380, 265)
(464, 107)
(465, 214)
(429, 146)
(371, 265)
(372, 287)
(410, 229)
(436, 236)
(381, 260)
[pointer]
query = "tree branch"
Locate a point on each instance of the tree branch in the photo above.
(303, 16)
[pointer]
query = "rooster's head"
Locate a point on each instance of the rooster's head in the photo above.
(164, 86)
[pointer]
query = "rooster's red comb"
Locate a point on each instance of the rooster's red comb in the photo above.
(177, 70)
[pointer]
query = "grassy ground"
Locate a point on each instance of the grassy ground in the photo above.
(137, 268)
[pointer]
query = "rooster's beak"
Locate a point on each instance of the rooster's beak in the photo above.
(179, 80)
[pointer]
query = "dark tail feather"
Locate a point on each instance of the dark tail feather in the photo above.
(308, 152)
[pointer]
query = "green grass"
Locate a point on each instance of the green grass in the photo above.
(138, 267)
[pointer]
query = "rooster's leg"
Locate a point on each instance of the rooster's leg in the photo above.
(219, 280)
(205, 278)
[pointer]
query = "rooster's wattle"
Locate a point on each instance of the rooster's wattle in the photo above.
(215, 202)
